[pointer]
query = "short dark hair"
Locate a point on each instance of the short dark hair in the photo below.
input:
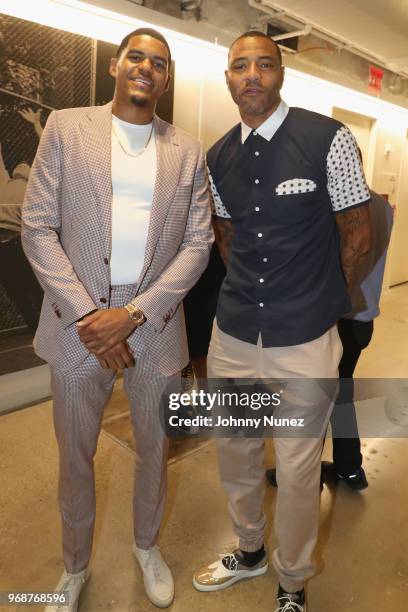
(258, 34)
(144, 32)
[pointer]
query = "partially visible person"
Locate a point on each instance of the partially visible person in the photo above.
(355, 331)
(200, 306)
(16, 274)
(13, 188)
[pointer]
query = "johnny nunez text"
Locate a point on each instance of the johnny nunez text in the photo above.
(230, 421)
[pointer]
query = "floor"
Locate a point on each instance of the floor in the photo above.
(16, 353)
(361, 553)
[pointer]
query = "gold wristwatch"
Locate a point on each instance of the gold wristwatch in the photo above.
(135, 314)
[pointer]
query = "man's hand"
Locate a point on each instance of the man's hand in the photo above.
(104, 329)
(31, 116)
(118, 357)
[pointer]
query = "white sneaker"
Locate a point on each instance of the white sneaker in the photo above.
(157, 578)
(71, 585)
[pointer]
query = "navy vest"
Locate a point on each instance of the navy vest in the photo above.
(284, 278)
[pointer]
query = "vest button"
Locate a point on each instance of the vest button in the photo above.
(103, 300)
(105, 260)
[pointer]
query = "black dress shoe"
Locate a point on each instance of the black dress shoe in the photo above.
(270, 476)
(291, 602)
(356, 481)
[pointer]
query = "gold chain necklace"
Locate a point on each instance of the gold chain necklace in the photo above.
(142, 150)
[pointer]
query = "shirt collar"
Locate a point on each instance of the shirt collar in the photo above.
(268, 128)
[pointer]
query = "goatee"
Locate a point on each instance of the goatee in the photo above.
(139, 101)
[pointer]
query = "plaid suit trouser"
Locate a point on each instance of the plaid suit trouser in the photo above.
(80, 397)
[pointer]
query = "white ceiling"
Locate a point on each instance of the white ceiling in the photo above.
(378, 27)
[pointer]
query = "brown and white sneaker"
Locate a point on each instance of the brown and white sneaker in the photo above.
(230, 568)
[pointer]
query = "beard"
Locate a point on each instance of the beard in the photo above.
(259, 105)
(254, 107)
(139, 101)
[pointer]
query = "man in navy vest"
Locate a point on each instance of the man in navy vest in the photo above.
(292, 224)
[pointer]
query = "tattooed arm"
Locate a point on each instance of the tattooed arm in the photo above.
(224, 233)
(355, 229)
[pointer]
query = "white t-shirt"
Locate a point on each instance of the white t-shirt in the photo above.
(133, 180)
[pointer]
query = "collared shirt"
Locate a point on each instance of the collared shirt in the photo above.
(280, 185)
(269, 126)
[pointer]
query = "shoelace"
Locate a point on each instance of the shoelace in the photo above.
(229, 561)
(290, 605)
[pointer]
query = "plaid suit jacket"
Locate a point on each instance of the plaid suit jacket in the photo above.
(66, 235)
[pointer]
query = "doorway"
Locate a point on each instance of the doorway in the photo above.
(363, 129)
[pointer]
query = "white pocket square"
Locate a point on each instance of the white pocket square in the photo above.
(295, 185)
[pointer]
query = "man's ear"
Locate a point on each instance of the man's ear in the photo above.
(226, 78)
(166, 88)
(283, 74)
(113, 67)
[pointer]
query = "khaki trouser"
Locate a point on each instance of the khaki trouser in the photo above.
(80, 396)
(241, 460)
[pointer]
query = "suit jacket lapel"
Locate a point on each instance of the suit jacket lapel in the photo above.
(169, 154)
(96, 131)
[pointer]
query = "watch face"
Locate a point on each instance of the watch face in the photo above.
(137, 315)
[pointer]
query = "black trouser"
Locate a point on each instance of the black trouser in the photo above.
(19, 280)
(355, 336)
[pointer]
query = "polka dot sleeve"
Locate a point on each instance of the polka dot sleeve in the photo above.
(218, 208)
(346, 183)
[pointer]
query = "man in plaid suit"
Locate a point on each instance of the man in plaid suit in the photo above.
(116, 225)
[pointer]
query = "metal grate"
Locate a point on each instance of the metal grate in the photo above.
(10, 317)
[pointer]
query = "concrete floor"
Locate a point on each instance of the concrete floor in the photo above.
(362, 560)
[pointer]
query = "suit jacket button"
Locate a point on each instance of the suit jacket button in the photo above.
(106, 260)
(103, 300)
(57, 312)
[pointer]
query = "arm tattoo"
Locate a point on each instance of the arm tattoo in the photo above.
(224, 233)
(354, 227)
